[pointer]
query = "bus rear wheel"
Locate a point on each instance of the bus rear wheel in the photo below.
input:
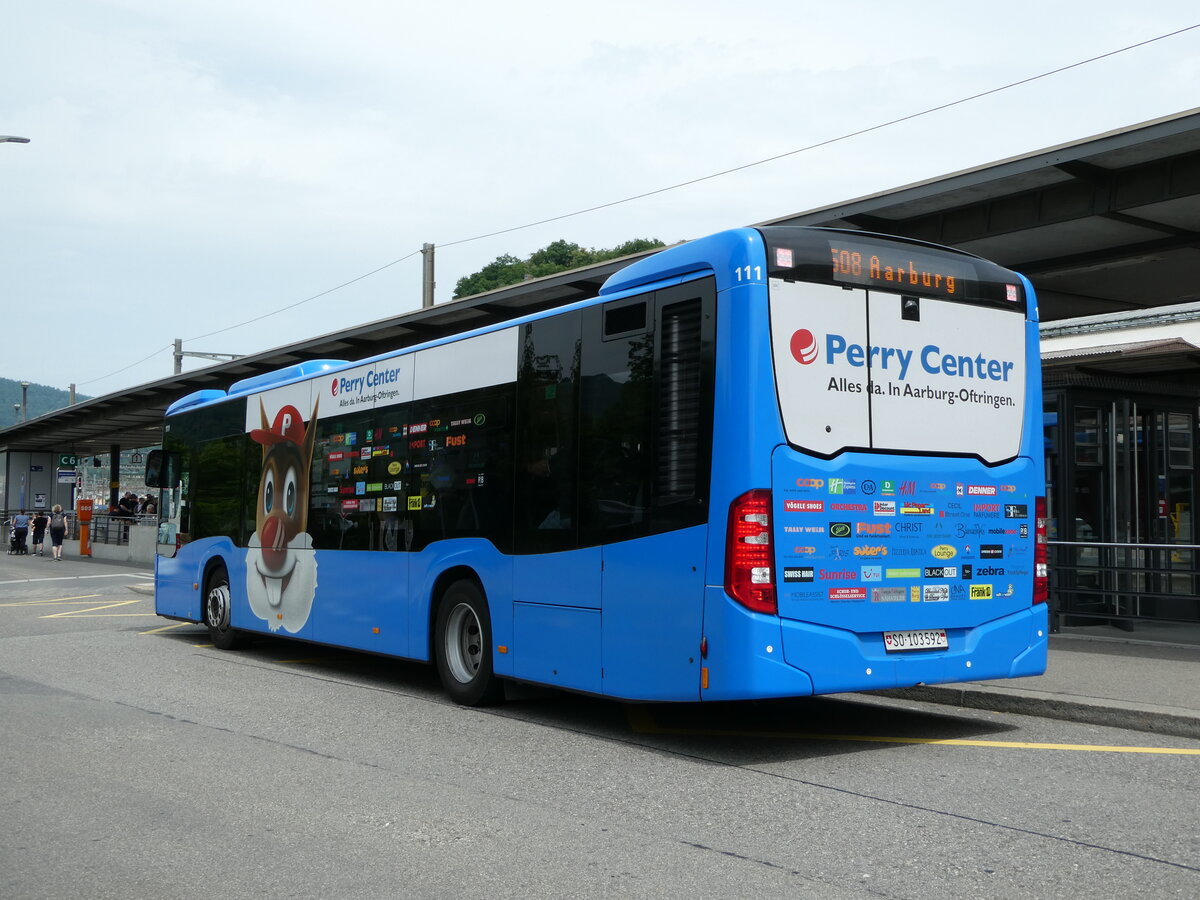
(463, 646)
(217, 604)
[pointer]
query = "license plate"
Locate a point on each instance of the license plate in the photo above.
(929, 639)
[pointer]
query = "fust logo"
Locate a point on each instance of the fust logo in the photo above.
(873, 528)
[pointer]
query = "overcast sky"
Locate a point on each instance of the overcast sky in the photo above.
(194, 165)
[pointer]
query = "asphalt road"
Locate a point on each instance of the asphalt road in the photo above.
(136, 761)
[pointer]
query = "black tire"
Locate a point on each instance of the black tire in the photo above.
(462, 646)
(217, 602)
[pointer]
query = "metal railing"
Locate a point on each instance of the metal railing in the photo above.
(108, 529)
(1120, 583)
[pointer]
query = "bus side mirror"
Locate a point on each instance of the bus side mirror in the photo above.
(162, 469)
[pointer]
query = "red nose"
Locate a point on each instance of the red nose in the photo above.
(273, 535)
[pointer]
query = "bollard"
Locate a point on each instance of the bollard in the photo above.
(85, 524)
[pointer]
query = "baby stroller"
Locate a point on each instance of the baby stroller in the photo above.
(16, 543)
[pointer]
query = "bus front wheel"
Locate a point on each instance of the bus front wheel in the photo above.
(463, 646)
(217, 602)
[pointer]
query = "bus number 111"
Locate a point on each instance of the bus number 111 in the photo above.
(749, 273)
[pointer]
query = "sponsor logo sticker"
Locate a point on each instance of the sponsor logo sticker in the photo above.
(798, 573)
(941, 571)
(847, 593)
(935, 593)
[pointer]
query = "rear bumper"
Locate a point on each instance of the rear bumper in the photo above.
(754, 655)
(837, 660)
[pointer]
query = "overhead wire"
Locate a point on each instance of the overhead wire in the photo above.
(692, 181)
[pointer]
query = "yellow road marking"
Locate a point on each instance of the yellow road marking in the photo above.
(86, 613)
(55, 600)
(302, 662)
(167, 628)
(641, 721)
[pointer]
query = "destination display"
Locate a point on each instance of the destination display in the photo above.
(847, 258)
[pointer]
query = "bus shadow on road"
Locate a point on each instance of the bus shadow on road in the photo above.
(729, 732)
(804, 727)
(748, 732)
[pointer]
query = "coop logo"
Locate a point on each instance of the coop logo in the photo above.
(804, 347)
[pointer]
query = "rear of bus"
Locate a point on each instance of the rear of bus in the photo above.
(900, 540)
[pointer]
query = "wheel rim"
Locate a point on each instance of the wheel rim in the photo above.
(464, 643)
(217, 606)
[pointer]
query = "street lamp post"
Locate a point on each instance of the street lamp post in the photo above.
(24, 403)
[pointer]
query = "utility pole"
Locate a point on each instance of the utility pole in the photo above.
(427, 281)
(180, 353)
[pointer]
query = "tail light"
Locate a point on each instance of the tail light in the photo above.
(1041, 571)
(748, 578)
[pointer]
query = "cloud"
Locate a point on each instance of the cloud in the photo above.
(195, 165)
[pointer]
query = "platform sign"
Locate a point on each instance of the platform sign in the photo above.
(67, 460)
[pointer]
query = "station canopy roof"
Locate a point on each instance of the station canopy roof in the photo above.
(1107, 224)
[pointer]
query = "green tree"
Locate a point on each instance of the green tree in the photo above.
(556, 257)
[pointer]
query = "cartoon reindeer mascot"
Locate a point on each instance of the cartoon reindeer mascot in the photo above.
(281, 565)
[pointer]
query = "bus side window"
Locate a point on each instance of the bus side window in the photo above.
(616, 431)
(546, 435)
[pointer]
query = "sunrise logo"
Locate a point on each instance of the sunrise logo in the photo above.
(804, 347)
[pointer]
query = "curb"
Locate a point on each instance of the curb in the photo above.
(1110, 713)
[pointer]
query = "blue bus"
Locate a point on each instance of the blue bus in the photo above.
(773, 462)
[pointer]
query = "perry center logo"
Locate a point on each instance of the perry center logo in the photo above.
(804, 347)
(931, 358)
